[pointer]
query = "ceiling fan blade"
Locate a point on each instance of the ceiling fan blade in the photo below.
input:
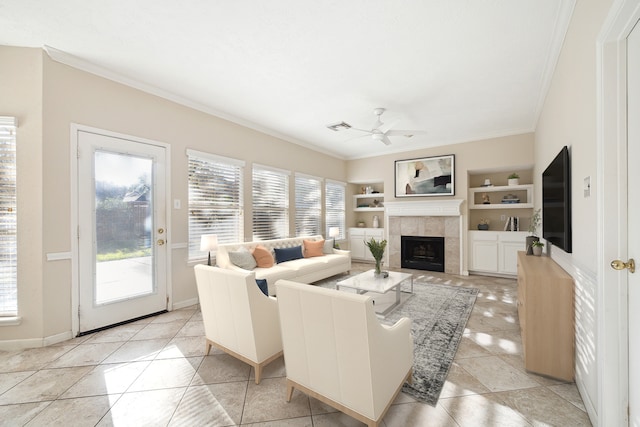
(385, 127)
(386, 140)
(362, 130)
(405, 132)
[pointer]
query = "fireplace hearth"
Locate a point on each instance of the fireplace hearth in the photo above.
(422, 253)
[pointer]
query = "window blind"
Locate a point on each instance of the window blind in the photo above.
(270, 203)
(8, 219)
(215, 200)
(308, 205)
(335, 207)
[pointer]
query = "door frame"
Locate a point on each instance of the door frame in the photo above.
(75, 128)
(611, 310)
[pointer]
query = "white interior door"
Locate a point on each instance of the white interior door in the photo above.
(122, 253)
(633, 180)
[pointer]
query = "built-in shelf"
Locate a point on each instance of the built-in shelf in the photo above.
(358, 198)
(524, 193)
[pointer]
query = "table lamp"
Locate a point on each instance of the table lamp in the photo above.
(209, 243)
(334, 232)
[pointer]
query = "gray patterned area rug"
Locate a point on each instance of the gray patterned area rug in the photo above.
(439, 314)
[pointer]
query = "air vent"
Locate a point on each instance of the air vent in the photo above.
(339, 126)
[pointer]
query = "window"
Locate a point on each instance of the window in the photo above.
(8, 223)
(308, 205)
(270, 203)
(215, 200)
(335, 207)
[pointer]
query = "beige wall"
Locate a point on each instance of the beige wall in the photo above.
(507, 153)
(21, 96)
(38, 87)
(569, 117)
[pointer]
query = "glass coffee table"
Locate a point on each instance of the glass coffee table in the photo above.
(367, 282)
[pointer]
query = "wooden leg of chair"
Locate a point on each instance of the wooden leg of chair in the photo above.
(208, 348)
(258, 369)
(410, 377)
(289, 391)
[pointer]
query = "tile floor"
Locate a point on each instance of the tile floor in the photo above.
(154, 373)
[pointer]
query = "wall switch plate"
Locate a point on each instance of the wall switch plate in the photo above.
(503, 217)
(587, 186)
(176, 204)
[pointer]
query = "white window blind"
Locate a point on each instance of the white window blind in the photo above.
(335, 207)
(215, 200)
(308, 205)
(270, 203)
(8, 219)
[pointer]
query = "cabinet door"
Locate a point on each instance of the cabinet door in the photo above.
(484, 256)
(357, 247)
(509, 257)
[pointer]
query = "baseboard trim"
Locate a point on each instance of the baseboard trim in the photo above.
(185, 303)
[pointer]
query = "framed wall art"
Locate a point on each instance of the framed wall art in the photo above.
(425, 176)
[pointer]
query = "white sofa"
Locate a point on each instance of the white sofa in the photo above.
(238, 318)
(304, 270)
(336, 350)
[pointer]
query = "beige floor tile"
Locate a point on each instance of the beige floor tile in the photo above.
(85, 355)
(166, 374)
(469, 348)
(119, 334)
(21, 414)
(133, 351)
(496, 374)
(266, 402)
(31, 359)
(182, 315)
(460, 383)
(146, 408)
(213, 404)
(192, 329)
(290, 422)
(107, 379)
(570, 393)
(541, 407)
(184, 347)
(221, 368)
(85, 411)
(318, 407)
(418, 414)
(10, 379)
(154, 331)
(482, 410)
(498, 342)
(46, 384)
(335, 419)
(517, 361)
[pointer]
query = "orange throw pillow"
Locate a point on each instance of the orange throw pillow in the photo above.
(263, 257)
(313, 248)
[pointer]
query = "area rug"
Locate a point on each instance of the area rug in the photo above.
(439, 314)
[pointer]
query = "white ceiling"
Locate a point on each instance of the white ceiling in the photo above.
(460, 69)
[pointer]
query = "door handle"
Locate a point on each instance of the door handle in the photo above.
(160, 242)
(621, 265)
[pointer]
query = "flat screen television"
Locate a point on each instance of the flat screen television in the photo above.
(556, 201)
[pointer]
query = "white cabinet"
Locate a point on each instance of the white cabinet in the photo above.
(495, 251)
(357, 238)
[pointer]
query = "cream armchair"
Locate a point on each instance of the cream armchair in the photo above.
(238, 318)
(336, 350)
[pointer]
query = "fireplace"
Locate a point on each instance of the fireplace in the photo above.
(422, 253)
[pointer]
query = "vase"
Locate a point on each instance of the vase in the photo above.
(483, 226)
(513, 181)
(530, 240)
(537, 250)
(378, 271)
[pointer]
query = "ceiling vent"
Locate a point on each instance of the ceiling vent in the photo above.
(339, 126)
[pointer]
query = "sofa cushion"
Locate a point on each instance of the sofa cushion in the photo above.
(243, 259)
(262, 284)
(328, 246)
(313, 248)
(263, 257)
(288, 254)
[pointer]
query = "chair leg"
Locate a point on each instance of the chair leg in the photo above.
(258, 369)
(289, 391)
(208, 348)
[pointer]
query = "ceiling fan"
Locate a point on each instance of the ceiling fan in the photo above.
(379, 132)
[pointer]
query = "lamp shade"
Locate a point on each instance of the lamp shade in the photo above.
(208, 242)
(334, 231)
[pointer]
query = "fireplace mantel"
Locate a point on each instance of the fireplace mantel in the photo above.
(450, 207)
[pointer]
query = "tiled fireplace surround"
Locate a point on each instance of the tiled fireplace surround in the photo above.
(437, 218)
